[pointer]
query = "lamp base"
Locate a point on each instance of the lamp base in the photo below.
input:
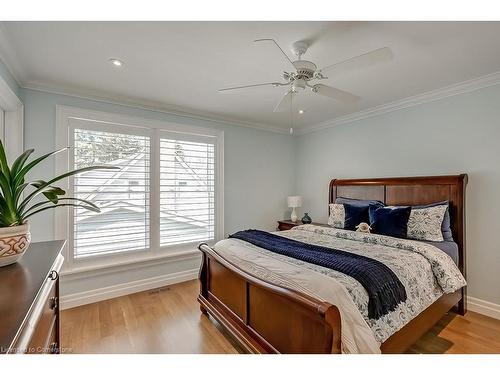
(294, 216)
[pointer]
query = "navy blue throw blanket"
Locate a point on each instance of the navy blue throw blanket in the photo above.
(384, 289)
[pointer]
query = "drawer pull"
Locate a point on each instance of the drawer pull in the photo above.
(53, 275)
(53, 303)
(53, 349)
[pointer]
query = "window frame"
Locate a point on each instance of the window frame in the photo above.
(110, 128)
(13, 120)
(68, 117)
(156, 173)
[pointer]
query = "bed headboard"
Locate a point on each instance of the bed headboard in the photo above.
(412, 191)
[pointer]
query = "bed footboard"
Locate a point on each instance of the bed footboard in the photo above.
(263, 317)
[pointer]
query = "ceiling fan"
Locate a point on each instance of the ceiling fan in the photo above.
(305, 74)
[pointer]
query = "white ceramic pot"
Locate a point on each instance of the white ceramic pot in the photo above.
(13, 243)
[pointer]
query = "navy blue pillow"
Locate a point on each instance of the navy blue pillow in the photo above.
(358, 202)
(354, 215)
(389, 221)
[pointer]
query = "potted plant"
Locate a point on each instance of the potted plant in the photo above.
(17, 201)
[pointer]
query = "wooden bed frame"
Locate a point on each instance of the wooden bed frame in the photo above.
(266, 318)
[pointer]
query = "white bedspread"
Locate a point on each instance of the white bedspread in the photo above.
(425, 271)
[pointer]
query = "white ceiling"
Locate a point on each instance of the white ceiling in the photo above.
(180, 65)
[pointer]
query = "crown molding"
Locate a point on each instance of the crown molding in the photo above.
(430, 96)
(149, 106)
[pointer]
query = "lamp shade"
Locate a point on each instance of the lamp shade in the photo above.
(294, 201)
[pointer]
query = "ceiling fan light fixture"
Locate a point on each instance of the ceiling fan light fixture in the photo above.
(298, 84)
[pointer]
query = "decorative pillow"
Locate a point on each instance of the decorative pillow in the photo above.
(389, 221)
(446, 225)
(347, 216)
(357, 202)
(337, 215)
(354, 215)
(425, 223)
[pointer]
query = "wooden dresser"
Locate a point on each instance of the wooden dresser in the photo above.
(29, 301)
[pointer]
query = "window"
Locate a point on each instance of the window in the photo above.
(165, 194)
(187, 194)
(122, 195)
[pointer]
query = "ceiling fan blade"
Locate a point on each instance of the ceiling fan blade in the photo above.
(374, 57)
(337, 94)
(285, 102)
(277, 45)
(248, 86)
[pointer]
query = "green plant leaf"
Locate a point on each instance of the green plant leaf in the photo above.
(5, 186)
(43, 184)
(41, 188)
(3, 204)
(51, 196)
(20, 175)
(90, 208)
(4, 165)
(19, 191)
(40, 204)
(51, 192)
(12, 185)
(19, 162)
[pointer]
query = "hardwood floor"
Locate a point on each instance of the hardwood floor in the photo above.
(168, 320)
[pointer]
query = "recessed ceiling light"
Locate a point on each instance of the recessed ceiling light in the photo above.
(116, 62)
(301, 111)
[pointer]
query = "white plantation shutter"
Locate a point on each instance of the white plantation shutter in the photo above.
(166, 194)
(187, 191)
(122, 195)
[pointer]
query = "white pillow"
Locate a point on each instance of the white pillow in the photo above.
(337, 215)
(425, 223)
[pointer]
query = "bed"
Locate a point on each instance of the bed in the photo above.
(265, 314)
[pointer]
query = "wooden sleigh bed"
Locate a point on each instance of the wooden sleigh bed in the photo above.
(266, 318)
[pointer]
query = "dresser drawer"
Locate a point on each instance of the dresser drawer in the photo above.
(43, 339)
(29, 292)
(40, 333)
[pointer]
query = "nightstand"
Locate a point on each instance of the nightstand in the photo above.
(289, 224)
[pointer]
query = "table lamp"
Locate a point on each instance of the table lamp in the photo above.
(294, 202)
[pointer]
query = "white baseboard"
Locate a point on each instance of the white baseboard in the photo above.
(483, 307)
(96, 295)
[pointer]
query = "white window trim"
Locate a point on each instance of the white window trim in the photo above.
(13, 121)
(62, 164)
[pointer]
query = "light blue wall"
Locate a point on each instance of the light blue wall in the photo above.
(7, 77)
(453, 135)
(450, 136)
(258, 171)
